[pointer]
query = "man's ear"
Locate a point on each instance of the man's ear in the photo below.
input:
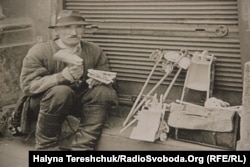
(55, 33)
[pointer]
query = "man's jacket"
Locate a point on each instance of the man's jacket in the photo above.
(41, 71)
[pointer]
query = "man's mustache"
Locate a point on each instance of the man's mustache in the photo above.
(73, 36)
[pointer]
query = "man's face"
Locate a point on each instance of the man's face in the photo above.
(71, 34)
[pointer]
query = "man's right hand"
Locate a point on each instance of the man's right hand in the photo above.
(73, 72)
(76, 71)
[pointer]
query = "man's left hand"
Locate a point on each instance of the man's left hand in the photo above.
(92, 82)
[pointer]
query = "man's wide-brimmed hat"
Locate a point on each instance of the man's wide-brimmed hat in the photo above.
(69, 17)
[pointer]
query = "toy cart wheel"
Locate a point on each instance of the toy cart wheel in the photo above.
(221, 30)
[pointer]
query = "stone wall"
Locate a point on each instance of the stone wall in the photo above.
(14, 44)
(10, 67)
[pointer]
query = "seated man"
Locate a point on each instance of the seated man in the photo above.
(56, 89)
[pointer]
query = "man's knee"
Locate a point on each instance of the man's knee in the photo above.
(58, 97)
(102, 94)
(60, 94)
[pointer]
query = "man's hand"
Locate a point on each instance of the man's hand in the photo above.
(76, 71)
(73, 72)
(92, 82)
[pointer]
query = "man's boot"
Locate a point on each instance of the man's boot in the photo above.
(92, 122)
(68, 132)
(48, 130)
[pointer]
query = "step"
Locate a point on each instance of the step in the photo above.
(112, 139)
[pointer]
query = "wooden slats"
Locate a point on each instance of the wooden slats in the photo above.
(147, 15)
(167, 43)
(146, 38)
(146, 54)
(180, 21)
(150, 12)
(152, 3)
(212, 49)
(150, 49)
(164, 27)
(129, 30)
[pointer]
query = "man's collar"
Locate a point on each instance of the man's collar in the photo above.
(61, 45)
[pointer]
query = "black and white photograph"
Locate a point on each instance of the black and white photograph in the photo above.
(124, 81)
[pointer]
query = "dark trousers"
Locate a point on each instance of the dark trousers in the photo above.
(52, 108)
